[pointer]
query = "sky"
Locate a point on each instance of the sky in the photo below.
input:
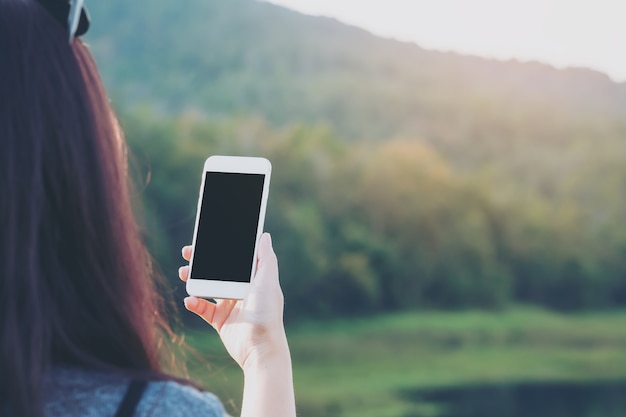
(563, 33)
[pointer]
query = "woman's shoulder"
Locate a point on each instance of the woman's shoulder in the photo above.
(172, 399)
(76, 392)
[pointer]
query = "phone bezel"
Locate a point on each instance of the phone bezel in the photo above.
(230, 164)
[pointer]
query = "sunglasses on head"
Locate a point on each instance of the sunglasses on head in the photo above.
(70, 13)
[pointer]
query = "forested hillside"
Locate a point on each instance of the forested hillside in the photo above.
(403, 176)
(241, 57)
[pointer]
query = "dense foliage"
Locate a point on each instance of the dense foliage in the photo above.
(378, 227)
(403, 178)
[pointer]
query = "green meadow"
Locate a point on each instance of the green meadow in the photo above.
(362, 367)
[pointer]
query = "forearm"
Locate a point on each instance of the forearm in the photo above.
(268, 385)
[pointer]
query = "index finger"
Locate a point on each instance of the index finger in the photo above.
(187, 252)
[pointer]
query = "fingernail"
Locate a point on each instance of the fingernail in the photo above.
(269, 239)
(191, 303)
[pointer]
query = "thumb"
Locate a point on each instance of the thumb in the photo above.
(267, 264)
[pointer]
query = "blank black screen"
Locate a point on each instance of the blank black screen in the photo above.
(227, 226)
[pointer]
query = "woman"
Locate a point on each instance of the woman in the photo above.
(80, 320)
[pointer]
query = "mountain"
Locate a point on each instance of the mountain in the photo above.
(452, 180)
(243, 56)
(550, 131)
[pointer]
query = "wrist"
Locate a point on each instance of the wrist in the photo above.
(269, 355)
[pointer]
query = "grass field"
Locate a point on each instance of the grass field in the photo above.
(361, 367)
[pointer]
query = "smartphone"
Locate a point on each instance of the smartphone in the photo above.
(229, 224)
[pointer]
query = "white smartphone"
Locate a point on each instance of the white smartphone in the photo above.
(229, 224)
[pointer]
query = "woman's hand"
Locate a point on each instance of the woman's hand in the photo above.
(251, 329)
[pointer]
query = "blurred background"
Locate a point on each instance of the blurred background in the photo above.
(448, 193)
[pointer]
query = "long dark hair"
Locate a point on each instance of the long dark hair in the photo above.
(75, 280)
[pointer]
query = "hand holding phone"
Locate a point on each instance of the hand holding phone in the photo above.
(229, 223)
(253, 333)
(231, 212)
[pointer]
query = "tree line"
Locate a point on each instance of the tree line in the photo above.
(368, 227)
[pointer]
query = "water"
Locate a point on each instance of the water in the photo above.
(597, 399)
